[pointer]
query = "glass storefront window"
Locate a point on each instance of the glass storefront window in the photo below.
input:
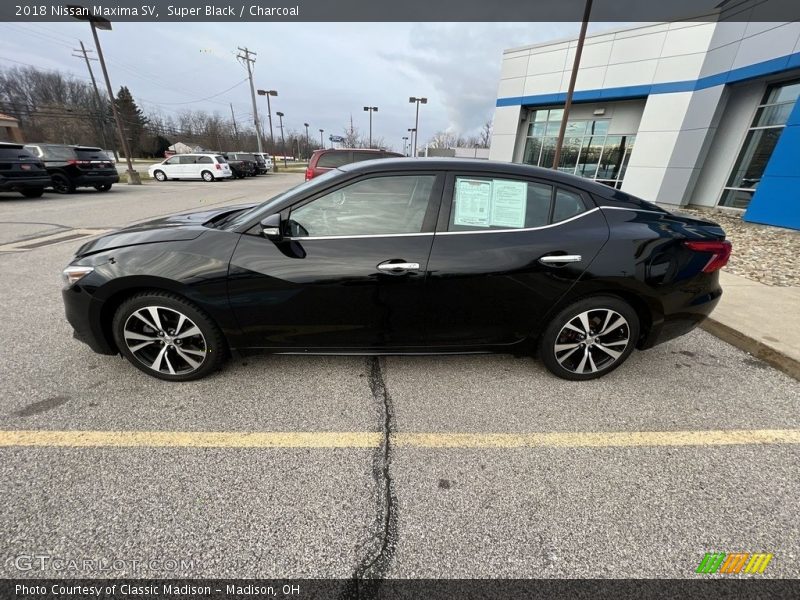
(588, 150)
(761, 139)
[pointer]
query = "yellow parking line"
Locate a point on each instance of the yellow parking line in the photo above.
(364, 439)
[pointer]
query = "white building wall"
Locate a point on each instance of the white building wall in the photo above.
(678, 129)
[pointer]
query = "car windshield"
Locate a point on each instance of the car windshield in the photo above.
(265, 209)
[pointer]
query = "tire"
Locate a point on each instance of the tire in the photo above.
(568, 355)
(62, 184)
(207, 176)
(103, 188)
(33, 192)
(167, 352)
(160, 176)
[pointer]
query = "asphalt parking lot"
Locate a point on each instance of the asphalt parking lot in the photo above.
(292, 466)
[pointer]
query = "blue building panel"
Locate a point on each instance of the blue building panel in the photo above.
(777, 197)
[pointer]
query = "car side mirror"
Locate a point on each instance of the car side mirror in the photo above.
(271, 227)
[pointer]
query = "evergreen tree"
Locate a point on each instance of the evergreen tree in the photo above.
(133, 120)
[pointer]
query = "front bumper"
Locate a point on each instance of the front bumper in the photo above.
(83, 313)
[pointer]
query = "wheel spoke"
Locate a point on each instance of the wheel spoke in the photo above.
(138, 314)
(591, 362)
(193, 330)
(572, 327)
(561, 359)
(153, 310)
(584, 319)
(169, 364)
(181, 321)
(619, 321)
(132, 335)
(138, 347)
(192, 362)
(562, 347)
(609, 315)
(582, 364)
(195, 352)
(617, 343)
(156, 366)
(612, 353)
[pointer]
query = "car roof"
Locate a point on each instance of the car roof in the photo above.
(75, 146)
(11, 145)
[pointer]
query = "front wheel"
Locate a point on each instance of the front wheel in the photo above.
(160, 176)
(207, 176)
(63, 184)
(167, 337)
(590, 338)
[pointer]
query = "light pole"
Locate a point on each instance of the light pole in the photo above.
(405, 149)
(412, 131)
(321, 141)
(269, 93)
(283, 140)
(418, 101)
(307, 145)
(370, 110)
(101, 23)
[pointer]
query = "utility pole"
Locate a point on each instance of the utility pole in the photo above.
(370, 109)
(283, 140)
(308, 147)
(248, 61)
(235, 130)
(99, 103)
(418, 101)
(570, 91)
(321, 141)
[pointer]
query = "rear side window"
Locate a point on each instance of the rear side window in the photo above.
(14, 153)
(221, 159)
(205, 160)
(188, 160)
(331, 160)
(359, 156)
(58, 152)
(485, 204)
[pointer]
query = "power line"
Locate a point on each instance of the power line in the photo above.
(198, 99)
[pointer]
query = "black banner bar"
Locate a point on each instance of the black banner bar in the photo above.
(400, 10)
(400, 589)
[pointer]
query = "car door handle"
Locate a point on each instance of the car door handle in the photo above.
(560, 258)
(397, 267)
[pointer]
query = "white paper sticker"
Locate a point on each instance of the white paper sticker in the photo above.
(509, 200)
(473, 202)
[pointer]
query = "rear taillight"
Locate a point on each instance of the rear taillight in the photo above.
(218, 167)
(309, 173)
(719, 251)
(74, 161)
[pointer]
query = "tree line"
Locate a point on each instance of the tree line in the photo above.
(54, 107)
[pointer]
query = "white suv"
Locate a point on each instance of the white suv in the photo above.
(267, 159)
(207, 167)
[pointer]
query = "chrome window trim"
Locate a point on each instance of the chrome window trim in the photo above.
(644, 210)
(351, 237)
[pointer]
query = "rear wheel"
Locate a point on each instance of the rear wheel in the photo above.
(33, 193)
(62, 184)
(589, 338)
(167, 337)
(207, 176)
(103, 188)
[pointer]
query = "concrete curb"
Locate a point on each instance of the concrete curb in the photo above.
(769, 355)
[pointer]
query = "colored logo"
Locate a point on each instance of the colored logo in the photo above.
(737, 562)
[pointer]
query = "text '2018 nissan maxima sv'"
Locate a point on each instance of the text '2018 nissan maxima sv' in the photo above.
(402, 256)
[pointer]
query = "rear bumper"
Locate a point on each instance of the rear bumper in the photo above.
(93, 180)
(27, 183)
(681, 322)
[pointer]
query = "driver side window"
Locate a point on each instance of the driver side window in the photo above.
(375, 206)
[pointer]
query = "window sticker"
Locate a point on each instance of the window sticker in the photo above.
(473, 202)
(509, 201)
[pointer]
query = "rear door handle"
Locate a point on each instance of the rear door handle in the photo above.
(398, 267)
(559, 259)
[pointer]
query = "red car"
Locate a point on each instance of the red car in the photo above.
(323, 161)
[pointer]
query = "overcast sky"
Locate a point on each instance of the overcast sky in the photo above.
(324, 72)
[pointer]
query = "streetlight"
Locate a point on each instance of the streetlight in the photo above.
(81, 13)
(283, 140)
(412, 131)
(307, 146)
(269, 93)
(370, 109)
(405, 149)
(419, 101)
(321, 141)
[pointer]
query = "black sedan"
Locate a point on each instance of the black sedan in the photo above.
(402, 256)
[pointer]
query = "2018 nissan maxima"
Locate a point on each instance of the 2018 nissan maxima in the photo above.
(402, 256)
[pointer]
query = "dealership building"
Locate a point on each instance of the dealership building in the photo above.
(681, 113)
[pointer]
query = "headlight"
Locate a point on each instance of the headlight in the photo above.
(73, 275)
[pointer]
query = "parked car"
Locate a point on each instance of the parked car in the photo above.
(323, 161)
(208, 167)
(402, 256)
(267, 160)
(249, 160)
(71, 167)
(240, 168)
(21, 171)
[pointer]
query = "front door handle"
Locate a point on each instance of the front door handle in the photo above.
(398, 267)
(560, 259)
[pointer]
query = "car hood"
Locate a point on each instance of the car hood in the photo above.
(174, 228)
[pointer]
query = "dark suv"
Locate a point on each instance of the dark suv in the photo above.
(323, 161)
(21, 171)
(249, 166)
(76, 166)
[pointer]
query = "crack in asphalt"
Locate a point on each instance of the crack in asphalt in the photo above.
(368, 575)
